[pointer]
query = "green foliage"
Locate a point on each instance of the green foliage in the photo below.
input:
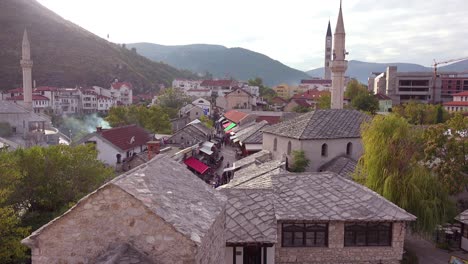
(301, 109)
(422, 114)
(324, 102)
(11, 233)
(5, 129)
(300, 161)
(354, 89)
(173, 98)
(446, 149)
(207, 121)
(154, 118)
(365, 102)
(391, 166)
(265, 91)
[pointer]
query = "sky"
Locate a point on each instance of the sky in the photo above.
(293, 32)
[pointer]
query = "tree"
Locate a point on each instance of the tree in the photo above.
(264, 91)
(391, 166)
(154, 118)
(300, 161)
(324, 102)
(422, 114)
(206, 121)
(354, 89)
(42, 182)
(365, 102)
(173, 98)
(445, 150)
(11, 233)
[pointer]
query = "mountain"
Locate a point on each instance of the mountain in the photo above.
(67, 55)
(238, 63)
(362, 70)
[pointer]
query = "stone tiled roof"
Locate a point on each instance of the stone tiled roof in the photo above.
(10, 107)
(248, 176)
(328, 197)
(341, 165)
(173, 193)
(246, 133)
(257, 137)
(250, 217)
(463, 217)
(322, 124)
(202, 128)
(262, 156)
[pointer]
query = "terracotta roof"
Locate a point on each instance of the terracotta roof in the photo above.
(279, 100)
(456, 103)
(301, 102)
(316, 81)
(312, 94)
(322, 124)
(235, 116)
(45, 88)
(209, 83)
(126, 137)
(35, 97)
(461, 94)
(380, 96)
(270, 119)
(118, 85)
(16, 90)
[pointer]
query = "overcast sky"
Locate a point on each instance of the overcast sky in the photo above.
(293, 32)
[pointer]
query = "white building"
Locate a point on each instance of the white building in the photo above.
(459, 103)
(117, 144)
(104, 103)
(185, 84)
(89, 100)
(203, 104)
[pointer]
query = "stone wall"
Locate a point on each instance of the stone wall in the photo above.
(107, 217)
(337, 253)
(213, 246)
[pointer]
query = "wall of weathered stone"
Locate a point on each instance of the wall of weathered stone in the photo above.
(213, 246)
(337, 253)
(111, 216)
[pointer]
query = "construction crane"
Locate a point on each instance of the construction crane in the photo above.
(435, 65)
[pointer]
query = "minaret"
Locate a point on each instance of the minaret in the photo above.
(328, 52)
(26, 64)
(339, 64)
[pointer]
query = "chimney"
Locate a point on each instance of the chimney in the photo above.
(153, 148)
(98, 129)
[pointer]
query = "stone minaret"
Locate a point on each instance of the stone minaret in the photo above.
(339, 64)
(328, 52)
(26, 64)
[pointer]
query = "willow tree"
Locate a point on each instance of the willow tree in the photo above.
(391, 166)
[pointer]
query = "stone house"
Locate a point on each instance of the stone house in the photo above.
(310, 218)
(117, 144)
(156, 213)
(322, 134)
(203, 104)
(240, 99)
(192, 112)
(191, 134)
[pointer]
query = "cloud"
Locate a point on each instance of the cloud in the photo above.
(292, 32)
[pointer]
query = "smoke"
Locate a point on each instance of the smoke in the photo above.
(78, 127)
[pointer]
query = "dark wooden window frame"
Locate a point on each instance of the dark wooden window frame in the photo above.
(305, 230)
(368, 229)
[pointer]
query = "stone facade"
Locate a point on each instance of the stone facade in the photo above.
(336, 252)
(118, 218)
(312, 149)
(238, 99)
(212, 249)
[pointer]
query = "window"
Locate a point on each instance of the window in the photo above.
(289, 148)
(275, 143)
(304, 235)
(349, 149)
(324, 150)
(368, 234)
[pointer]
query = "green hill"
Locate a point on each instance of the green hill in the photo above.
(238, 63)
(67, 55)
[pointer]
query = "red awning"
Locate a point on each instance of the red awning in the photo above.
(227, 124)
(197, 165)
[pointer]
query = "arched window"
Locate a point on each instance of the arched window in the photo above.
(289, 148)
(275, 144)
(324, 150)
(349, 149)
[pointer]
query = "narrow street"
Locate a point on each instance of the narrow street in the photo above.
(427, 252)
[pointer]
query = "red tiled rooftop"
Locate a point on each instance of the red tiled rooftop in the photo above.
(210, 83)
(235, 116)
(311, 94)
(279, 100)
(35, 97)
(461, 94)
(16, 90)
(302, 102)
(270, 119)
(458, 103)
(126, 137)
(45, 88)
